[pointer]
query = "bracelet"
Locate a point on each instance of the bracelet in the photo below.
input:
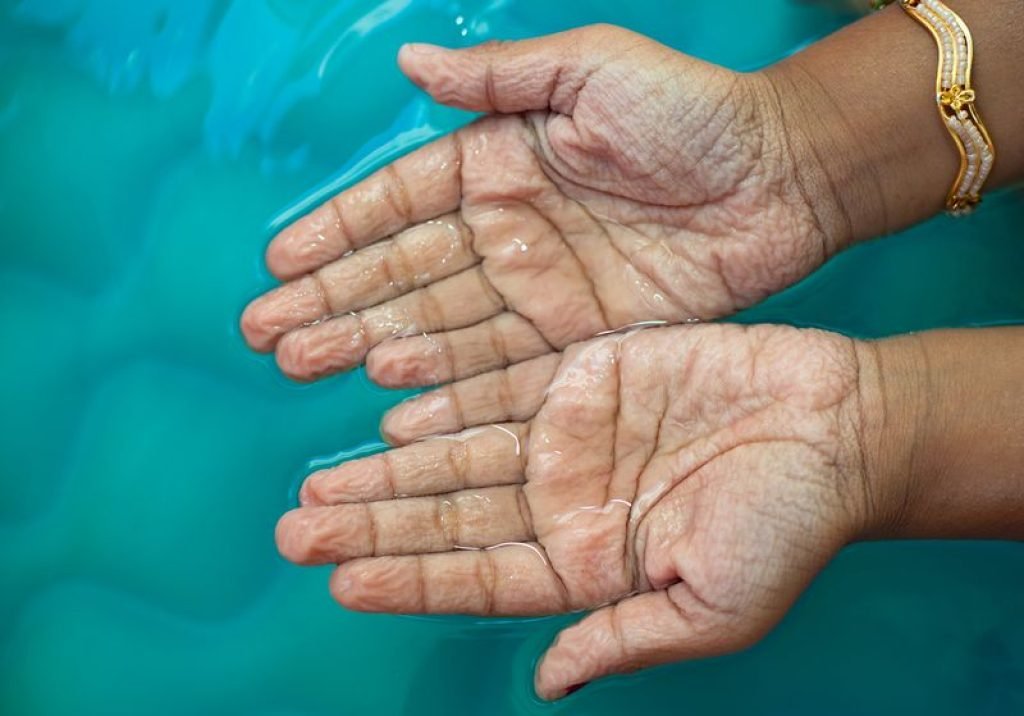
(955, 98)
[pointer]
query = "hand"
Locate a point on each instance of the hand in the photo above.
(693, 479)
(622, 182)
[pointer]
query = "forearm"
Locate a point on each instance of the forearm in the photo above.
(860, 109)
(943, 434)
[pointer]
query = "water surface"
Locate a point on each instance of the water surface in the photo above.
(148, 148)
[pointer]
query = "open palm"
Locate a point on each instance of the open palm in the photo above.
(618, 182)
(694, 479)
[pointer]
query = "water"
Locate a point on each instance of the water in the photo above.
(147, 150)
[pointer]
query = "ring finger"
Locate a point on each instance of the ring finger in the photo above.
(413, 258)
(415, 525)
(341, 343)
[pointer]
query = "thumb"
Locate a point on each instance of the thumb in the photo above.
(649, 629)
(509, 77)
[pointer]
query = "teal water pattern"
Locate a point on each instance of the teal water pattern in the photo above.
(148, 150)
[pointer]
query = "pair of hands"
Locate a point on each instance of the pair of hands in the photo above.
(687, 482)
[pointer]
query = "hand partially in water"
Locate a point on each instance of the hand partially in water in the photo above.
(686, 482)
(615, 182)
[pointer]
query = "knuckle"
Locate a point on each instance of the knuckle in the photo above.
(432, 308)
(458, 458)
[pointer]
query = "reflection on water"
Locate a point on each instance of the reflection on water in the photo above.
(148, 149)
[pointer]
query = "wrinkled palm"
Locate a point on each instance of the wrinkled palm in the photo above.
(694, 479)
(620, 182)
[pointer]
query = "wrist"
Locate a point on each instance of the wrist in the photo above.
(813, 160)
(861, 114)
(861, 117)
(894, 400)
(941, 437)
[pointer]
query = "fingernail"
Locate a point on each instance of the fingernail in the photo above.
(423, 48)
(575, 687)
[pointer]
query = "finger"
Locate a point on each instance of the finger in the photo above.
(510, 77)
(512, 394)
(281, 310)
(512, 580)
(414, 258)
(432, 252)
(498, 342)
(341, 343)
(414, 525)
(641, 631)
(419, 186)
(481, 457)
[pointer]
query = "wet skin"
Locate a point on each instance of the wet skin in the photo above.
(693, 479)
(639, 476)
(685, 482)
(621, 182)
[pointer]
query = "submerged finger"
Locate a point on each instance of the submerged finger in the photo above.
(454, 355)
(413, 258)
(283, 309)
(334, 345)
(512, 394)
(421, 185)
(414, 525)
(481, 457)
(511, 580)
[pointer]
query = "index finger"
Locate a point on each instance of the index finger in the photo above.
(421, 185)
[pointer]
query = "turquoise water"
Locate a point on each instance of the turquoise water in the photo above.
(148, 148)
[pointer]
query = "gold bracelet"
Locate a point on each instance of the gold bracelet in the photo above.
(955, 98)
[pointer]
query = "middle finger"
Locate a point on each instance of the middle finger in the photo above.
(341, 343)
(480, 457)
(413, 258)
(415, 525)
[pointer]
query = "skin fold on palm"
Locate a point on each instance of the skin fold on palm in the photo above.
(687, 482)
(615, 182)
